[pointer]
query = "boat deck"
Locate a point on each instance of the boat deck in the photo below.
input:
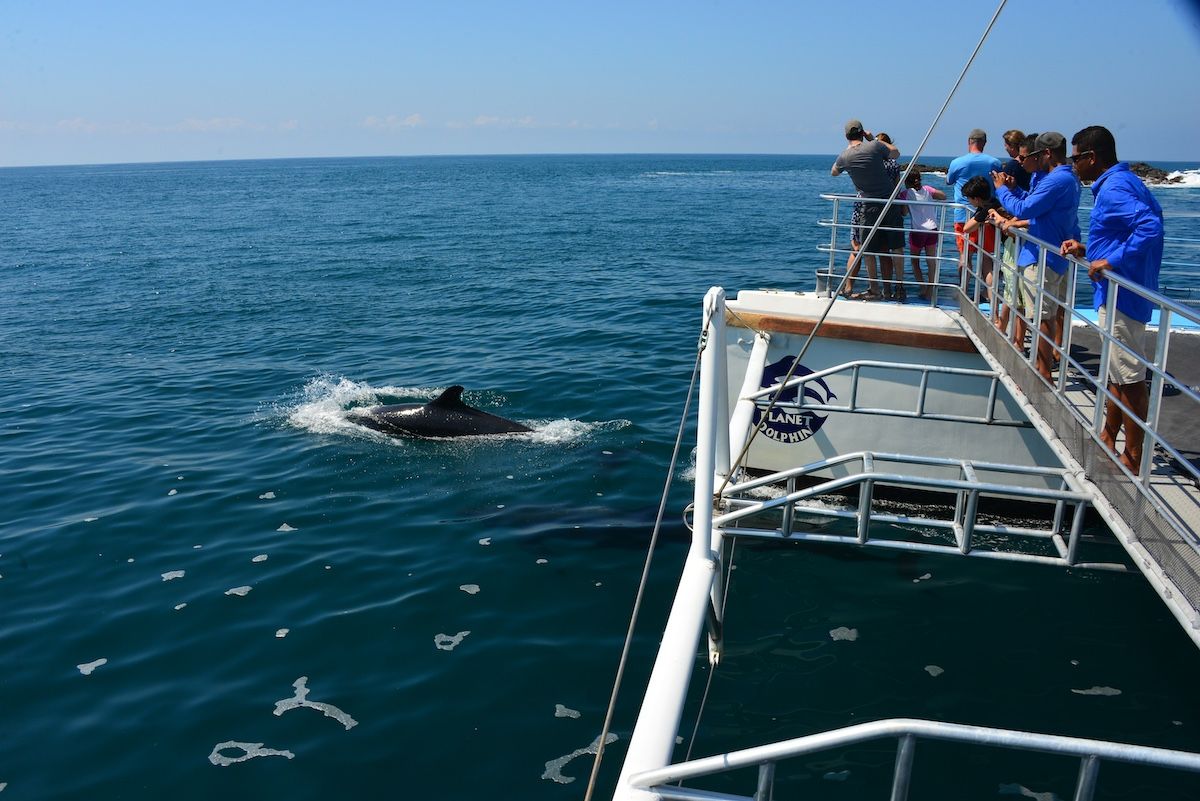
(1157, 517)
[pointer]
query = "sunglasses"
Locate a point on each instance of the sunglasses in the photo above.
(1078, 156)
(1034, 154)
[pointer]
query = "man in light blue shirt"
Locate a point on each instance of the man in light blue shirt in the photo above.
(963, 169)
(1052, 209)
(1125, 237)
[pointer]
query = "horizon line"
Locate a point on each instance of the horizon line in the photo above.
(479, 155)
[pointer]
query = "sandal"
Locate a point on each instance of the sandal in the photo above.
(869, 294)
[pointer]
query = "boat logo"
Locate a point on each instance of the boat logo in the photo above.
(793, 425)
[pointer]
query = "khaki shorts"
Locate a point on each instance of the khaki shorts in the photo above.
(1123, 367)
(1054, 284)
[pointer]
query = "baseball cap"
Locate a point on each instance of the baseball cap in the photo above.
(1051, 140)
(854, 126)
(977, 135)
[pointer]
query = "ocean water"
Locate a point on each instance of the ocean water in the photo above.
(196, 547)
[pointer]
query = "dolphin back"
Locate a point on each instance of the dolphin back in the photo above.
(445, 416)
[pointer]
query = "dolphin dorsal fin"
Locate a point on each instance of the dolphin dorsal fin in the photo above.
(450, 399)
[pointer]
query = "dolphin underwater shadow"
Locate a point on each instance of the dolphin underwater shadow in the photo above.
(445, 416)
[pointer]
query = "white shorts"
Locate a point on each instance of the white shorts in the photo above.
(1123, 366)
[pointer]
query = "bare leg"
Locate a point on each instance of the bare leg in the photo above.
(1137, 398)
(1045, 351)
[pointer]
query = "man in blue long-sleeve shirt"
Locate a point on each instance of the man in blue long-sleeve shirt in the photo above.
(1125, 237)
(1052, 208)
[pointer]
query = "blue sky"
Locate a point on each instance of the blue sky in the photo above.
(101, 82)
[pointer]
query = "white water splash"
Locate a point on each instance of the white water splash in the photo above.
(843, 633)
(281, 633)
(249, 751)
(301, 699)
(561, 711)
(1187, 178)
(285, 527)
(486, 541)
(173, 492)
(447, 642)
(87, 667)
(554, 767)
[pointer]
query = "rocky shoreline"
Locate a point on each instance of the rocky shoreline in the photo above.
(1147, 172)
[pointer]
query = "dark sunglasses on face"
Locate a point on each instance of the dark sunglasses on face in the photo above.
(1034, 154)
(1078, 156)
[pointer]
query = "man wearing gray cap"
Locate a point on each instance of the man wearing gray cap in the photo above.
(964, 168)
(864, 158)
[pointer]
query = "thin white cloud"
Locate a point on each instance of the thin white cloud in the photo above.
(393, 122)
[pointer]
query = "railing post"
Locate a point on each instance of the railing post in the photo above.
(789, 511)
(1072, 282)
(1110, 306)
(864, 500)
(903, 774)
(1089, 770)
(1156, 391)
(766, 782)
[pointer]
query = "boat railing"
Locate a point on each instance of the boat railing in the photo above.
(1159, 501)
(661, 782)
(842, 233)
(969, 483)
(919, 409)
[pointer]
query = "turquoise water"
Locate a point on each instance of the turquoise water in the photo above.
(179, 344)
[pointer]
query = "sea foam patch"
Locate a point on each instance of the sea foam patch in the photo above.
(88, 667)
(249, 751)
(554, 767)
(448, 642)
(301, 699)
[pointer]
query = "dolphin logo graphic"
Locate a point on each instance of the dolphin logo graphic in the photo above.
(788, 425)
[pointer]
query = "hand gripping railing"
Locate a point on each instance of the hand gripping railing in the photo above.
(906, 731)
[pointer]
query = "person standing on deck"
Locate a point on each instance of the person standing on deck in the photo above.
(1125, 237)
(1013, 139)
(1052, 209)
(892, 269)
(974, 163)
(864, 159)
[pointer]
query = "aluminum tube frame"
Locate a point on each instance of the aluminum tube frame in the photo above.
(653, 740)
(924, 729)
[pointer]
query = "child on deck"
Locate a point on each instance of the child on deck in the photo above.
(991, 215)
(923, 236)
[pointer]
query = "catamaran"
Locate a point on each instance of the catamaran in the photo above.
(800, 394)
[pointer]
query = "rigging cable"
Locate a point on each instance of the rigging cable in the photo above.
(703, 342)
(859, 255)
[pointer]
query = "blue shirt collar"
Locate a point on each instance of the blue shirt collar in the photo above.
(1120, 166)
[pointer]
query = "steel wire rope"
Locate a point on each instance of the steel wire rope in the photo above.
(738, 462)
(746, 448)
(859, 255)
(701, 344)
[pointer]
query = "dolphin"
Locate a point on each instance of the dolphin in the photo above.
(446, 416)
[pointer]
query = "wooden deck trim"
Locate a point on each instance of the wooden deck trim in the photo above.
(878, 334)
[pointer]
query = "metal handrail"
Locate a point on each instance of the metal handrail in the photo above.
(907, 731)
(1156, 365)
(925, 370)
